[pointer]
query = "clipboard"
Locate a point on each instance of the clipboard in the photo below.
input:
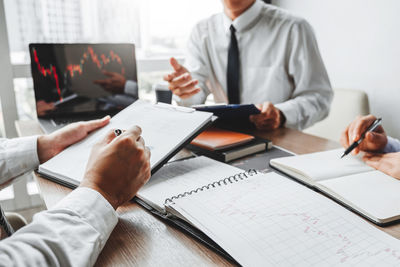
(229, 111)
(160, 133)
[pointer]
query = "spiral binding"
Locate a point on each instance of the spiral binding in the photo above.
(231, 179)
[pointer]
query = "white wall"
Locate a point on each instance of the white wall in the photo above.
(360, 43)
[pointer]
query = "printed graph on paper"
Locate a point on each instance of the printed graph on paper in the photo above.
(269, 219)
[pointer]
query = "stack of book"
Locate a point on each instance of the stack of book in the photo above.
(225, 146)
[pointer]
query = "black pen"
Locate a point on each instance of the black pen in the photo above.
(371, 128)
(117, 132)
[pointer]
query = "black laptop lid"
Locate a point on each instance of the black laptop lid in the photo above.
(75, 79)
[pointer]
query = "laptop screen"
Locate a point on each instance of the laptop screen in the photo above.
(83, 78)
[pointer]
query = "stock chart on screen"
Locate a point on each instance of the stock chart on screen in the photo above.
(62, 72)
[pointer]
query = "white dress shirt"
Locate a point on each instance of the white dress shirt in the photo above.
(70, 234)
(17, 156)
(279, 57)
(393, 145)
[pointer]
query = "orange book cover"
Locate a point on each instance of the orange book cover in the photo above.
(217, 139)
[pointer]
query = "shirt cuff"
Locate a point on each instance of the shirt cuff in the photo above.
(22, 155)
(196, 99)
(393, 145)
(131, 88)
(288, 109)
(93, 208)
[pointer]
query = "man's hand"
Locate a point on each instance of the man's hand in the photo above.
(180, 81)
(373, 141)
(118, 166)
(42, 107)
(388, 163)
(270, 117)
(115, 83)
(52, 144)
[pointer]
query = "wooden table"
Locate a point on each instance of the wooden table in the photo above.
(141, 239)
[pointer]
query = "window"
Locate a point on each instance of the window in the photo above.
(158, 28)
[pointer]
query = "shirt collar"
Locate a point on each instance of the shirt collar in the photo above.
(245, 19)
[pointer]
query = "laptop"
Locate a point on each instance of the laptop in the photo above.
(75, 82)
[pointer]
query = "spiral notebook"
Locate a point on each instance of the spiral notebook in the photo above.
(265, 219)
(182, 176)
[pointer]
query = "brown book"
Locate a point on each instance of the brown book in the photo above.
(218, 139)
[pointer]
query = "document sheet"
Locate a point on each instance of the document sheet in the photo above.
(271, 220)
(164, 128)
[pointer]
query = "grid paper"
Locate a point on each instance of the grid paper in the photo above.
(271, 220)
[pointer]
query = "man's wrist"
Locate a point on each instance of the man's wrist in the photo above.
(113, 202)
(46, 148)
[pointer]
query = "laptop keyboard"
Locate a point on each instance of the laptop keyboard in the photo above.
(61, 121)
(64, 121)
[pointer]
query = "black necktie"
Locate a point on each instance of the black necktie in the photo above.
(233, 69)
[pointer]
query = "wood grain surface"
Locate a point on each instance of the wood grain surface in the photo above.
(141, 239)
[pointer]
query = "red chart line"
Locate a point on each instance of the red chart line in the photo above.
(100, 62)
(50, 71)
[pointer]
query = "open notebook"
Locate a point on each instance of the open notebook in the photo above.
(182, 176)
(166, 129)
(265, 219)
(350, 181)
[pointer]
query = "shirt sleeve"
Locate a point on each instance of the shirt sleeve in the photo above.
(197, 67)
(393, 145)
(73, 233)
(312, 94)
(17, 156)
(131, 88)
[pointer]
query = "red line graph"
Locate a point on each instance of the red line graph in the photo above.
(99, 61)
(48, 71)
(312, 228)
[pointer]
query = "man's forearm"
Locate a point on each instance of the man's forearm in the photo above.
(17, 156)
(73, 233)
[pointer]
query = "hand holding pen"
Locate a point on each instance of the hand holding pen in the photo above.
(364, 134)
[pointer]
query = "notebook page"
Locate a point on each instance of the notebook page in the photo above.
(373, 193)
(163, 129)
(324, 165)
(271, 220)
(181, 176)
